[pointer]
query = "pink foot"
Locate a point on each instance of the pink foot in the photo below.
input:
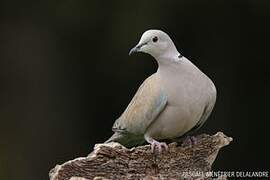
(158, 146)
(189, 141)
(155, 145)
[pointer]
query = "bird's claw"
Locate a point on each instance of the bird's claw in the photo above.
(158, 146)
(189, 141)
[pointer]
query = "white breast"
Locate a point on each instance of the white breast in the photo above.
(188, 91)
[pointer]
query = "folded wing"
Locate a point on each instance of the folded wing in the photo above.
(144, 108)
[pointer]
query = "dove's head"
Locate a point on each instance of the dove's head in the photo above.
(156, 43)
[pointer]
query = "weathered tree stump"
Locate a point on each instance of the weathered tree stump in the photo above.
(113, 161)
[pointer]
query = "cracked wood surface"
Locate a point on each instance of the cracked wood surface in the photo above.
(113, 161)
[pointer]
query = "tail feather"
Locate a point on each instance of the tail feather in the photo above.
(126, 140)
(114, 138)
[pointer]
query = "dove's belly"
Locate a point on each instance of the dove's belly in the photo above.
(188, 94)
(174, 122)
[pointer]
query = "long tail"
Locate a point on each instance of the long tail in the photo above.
(116, 137)
(126, 140)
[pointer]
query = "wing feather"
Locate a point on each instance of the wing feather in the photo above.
(148, 102)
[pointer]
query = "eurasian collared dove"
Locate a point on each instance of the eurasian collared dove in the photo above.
(177, 98)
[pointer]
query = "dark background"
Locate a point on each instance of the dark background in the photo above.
(65, 75)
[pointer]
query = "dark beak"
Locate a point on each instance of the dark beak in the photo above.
(133, 50)
(136, 48)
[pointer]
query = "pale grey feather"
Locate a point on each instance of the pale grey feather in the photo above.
(148, 102)
(171, 102)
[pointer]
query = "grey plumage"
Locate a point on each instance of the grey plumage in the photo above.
(169, 103)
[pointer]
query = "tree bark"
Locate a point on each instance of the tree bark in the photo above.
(113, 161)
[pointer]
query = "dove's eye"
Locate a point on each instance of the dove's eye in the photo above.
(155, 39)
